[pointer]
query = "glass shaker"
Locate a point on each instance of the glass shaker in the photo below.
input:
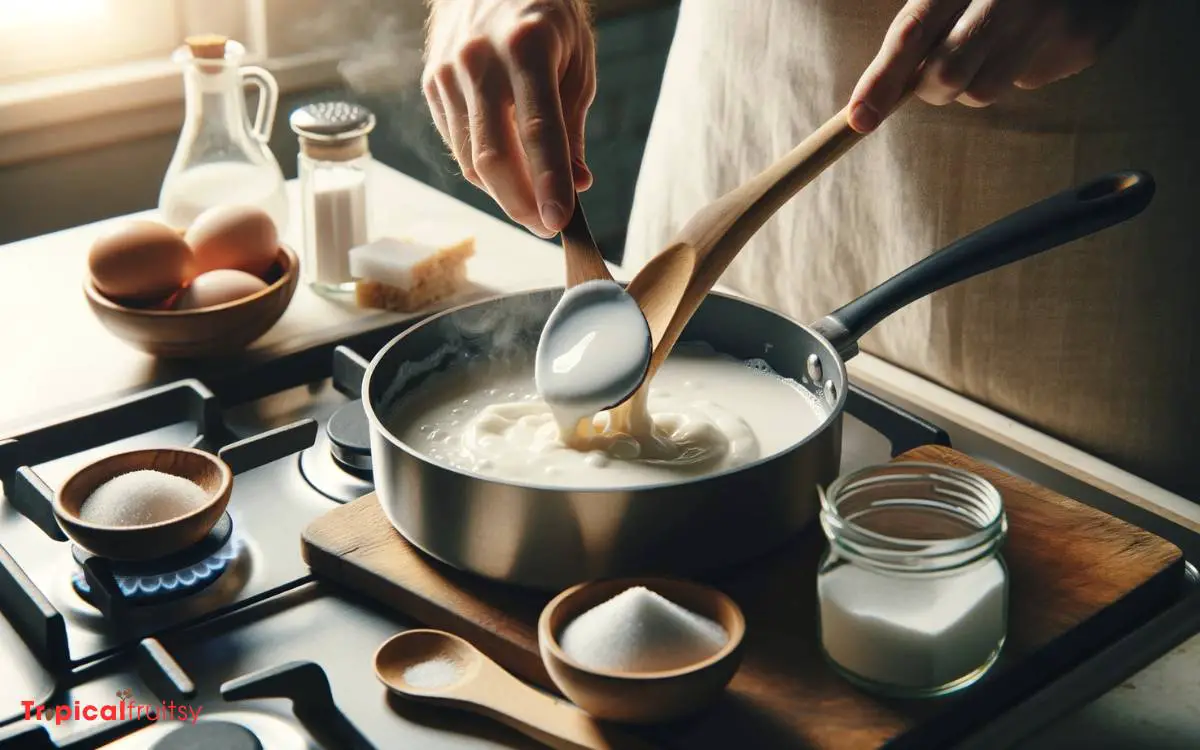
(222, 158)
(333, 164)
(912, 592)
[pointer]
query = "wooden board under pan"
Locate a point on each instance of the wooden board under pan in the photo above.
(1079, 579)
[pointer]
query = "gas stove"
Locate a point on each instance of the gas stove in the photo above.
(232, 643)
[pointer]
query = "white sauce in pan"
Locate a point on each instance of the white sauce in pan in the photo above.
(707, 413)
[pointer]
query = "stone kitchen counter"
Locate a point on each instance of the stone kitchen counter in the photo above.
(57, 356)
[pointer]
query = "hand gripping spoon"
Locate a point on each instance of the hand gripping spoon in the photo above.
(595, 348)
(671, 286)
(433, 666)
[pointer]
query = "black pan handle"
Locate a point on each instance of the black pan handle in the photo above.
(1057, 220)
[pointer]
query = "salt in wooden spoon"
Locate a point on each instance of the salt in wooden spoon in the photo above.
(457, 674)
(671, 286)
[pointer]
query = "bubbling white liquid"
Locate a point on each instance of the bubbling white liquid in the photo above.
(709, 413)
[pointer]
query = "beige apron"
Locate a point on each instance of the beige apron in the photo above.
(1095, 343)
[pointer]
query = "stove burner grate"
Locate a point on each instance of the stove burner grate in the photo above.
(179, 575)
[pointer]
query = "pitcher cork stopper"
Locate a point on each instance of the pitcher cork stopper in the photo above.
(207, 46)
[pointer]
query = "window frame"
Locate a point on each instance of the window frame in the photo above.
(129, 32)
(52, 115)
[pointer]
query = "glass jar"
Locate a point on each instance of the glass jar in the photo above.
(221, 157)
(912, 593)
(332, 169)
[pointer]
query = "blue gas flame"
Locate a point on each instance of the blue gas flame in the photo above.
(193, 576)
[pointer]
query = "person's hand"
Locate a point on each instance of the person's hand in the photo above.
(971, 51)
(509, 84)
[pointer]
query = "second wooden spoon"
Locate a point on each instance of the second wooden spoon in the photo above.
(671, 286)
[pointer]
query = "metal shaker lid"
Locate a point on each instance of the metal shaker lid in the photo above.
(332, 121)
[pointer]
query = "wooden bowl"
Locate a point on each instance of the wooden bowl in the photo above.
(148, 541)
(642, 697)
(216, 331)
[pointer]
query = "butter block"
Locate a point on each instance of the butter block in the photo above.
(407, 274)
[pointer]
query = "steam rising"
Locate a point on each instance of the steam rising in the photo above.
(499, 332)
(381, 48)
(510, 327)
(381, 45)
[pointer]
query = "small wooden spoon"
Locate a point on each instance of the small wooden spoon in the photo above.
(671, 286)
(476, 683)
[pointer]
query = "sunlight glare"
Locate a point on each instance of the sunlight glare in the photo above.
(32, 13)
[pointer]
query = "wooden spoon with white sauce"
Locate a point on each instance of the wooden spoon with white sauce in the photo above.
(595, 348)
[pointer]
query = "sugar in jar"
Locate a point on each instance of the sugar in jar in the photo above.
(912, 590)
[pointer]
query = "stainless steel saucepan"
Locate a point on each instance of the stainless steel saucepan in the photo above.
(550, 537)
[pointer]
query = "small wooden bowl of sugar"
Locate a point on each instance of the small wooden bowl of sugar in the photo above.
(144, 504)
(641, 650)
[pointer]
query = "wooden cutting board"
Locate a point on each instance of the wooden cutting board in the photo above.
(1079, 579)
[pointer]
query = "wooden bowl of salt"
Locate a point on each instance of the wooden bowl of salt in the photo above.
(641, 650)
(144, 504)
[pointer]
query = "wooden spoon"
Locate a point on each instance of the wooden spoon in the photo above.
(597, 325)
(475, 683)
(671, 286)
(584, 261)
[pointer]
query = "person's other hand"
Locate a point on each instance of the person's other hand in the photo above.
(509, 84)
(971, 51)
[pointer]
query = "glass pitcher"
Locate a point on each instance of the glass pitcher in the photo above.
(222, 158)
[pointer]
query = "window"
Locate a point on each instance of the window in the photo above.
(107, 62)
(40, 38)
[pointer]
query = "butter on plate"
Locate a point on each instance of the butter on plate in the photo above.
(407, 275)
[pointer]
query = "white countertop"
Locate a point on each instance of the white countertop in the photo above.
(55, 354)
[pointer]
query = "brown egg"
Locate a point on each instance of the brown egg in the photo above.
(241, 238)
(218, 287)
(140, 262)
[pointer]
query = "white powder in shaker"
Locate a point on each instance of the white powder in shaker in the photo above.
(142, 497)
(641, 631)
(338, 222)
(432, 673)
(912, 632)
